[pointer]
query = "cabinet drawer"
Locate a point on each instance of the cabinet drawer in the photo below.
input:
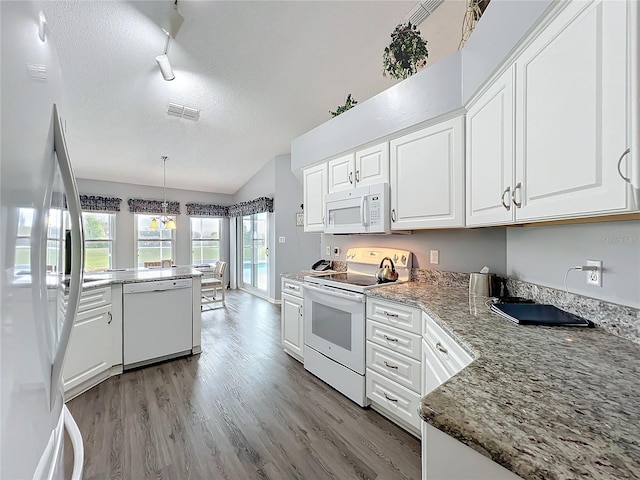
(292, 288)
(394, 339)
(399, 368)
(89, 299)
(394, 314)
(395, 399)
(450, 353)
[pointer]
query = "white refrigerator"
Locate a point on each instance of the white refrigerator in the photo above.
(36, 309)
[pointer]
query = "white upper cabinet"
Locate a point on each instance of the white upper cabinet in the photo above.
(427, 177)
(341, 173)
(364, 167)
(372, 165)
(489, 156)
(314, 183)
(544, 140)
(572, 108)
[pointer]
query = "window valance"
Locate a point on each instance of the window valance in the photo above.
(98, 203)
(207, 210)
(140, 205)
(259, 205)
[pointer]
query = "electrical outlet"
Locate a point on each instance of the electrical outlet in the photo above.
(282, 239)
(594, 277)
(435, 256)
(327, 250)
(336, 251)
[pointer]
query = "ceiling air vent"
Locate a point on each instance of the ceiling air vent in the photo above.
(182, 111)
(422, 10)
(37, 72)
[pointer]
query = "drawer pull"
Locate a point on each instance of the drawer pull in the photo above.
(387, 314)
(292, 287)
(391, 399)
(390, 339)
(110, 318)
(388, 365)
(441, 348)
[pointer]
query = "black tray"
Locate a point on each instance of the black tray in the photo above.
(538, 314)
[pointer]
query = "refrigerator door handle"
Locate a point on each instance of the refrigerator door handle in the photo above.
(77, 252)
(76, 442)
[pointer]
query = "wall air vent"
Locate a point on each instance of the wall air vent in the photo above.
(182, 111)
(37, 72)
(422, 10)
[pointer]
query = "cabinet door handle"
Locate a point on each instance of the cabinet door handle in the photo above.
(110, 318)
(513, 195)
(357, 176)
(393, 214)
(626, 152)
(351, 178)
(300, 310)
(391, 399)
(507, 193)
(387, 314)
(388, 365)
(441, 348)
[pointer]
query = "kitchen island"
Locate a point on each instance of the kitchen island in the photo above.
(109, 334)
(543, 402)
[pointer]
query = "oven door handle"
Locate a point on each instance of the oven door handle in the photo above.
(333, 292)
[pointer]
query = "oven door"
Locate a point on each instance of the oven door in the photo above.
(334, 325)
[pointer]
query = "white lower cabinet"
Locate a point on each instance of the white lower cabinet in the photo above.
(393, 374)
(292, 320)
(442, 455)
(90, 354)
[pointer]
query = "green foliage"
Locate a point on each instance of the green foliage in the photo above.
(350, 102)
(406, 54)
(93, 227)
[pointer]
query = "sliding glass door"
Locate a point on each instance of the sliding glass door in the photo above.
(255, 250)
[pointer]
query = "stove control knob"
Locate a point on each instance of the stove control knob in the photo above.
(404, 259)
(395, 257)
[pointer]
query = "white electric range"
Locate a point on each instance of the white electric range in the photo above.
(334, 318)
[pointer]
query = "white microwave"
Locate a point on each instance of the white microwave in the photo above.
(360, 210)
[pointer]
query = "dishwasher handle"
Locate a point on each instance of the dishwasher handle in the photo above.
(156, 286)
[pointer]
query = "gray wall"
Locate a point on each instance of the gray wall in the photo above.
(542, 255)
(125, 256)
(300, 249)
(460, 250)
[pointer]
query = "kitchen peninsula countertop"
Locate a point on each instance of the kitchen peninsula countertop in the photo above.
(137, 275)
(544, 402)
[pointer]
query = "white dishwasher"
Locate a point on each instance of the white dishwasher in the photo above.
(157, 321)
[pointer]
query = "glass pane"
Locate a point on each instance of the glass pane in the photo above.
(153, 251)
(345, 216)
(260, 250)
(97, 256)
(22, 261)
(205, 251)
(97, 226)
(247, 246)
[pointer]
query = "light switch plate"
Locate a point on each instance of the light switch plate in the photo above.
(435, 256)
(327, 250)
(282, 239)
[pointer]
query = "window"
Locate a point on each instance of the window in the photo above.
(152, 245)
(99, 232)
(205, 240)
(22, 260)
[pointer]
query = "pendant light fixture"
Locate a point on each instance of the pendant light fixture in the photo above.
(168, 222)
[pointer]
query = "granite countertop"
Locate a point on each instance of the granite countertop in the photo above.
(137, 275)
(299, 276)
(544, 402)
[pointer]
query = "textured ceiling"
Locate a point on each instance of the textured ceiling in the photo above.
(262, 73)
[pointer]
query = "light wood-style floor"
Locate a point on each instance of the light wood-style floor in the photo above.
(242, 409)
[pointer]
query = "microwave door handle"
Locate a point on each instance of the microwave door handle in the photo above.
(363, 218)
